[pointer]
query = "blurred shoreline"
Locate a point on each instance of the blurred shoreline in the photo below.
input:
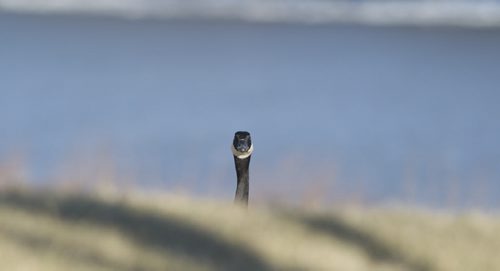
(164, 232)
(397, 13)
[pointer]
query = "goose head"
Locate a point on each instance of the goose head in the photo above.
(242, 145)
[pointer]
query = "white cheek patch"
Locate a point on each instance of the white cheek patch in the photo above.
(242, 155)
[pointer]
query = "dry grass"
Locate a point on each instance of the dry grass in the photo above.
(54, 231)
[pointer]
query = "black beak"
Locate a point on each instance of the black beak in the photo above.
(242, 146)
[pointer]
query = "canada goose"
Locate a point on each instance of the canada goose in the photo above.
(242, 149)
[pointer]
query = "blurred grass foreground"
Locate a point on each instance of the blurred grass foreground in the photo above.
(74, 231)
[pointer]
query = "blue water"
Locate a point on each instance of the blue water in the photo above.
(336, 111)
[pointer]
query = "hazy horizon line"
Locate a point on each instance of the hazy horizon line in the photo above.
(418, 13)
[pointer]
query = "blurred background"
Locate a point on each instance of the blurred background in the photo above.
(363, 101)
